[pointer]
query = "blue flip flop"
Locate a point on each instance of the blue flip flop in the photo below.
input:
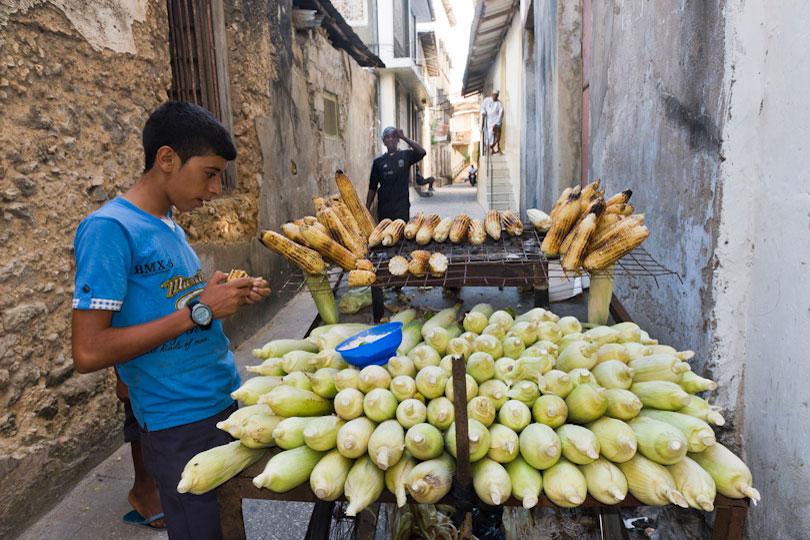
(134, 518)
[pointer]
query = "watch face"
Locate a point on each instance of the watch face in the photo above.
(201, 314)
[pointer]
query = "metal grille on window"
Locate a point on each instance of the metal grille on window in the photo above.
(193, 60)
(331, 123)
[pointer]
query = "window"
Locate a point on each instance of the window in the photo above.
(331, 118)
(199, 64)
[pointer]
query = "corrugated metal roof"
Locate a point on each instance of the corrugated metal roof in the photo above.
(428, 40)
(489, 27)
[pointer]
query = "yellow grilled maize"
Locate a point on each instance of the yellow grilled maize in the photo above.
(458, 231)
(425, 233)
(477, 234)
(398, 266)
(364, 264)
(419, 263)
(596, 207)
(438, 264)
(605, 236)
(340, 232)
(512, 223)
(560, 201)
(442, 230)
(319, 203)
(492, 224)
(361, 278)
(561, 224)
(393, 233)
(308, 260)
(329, 248)
(576, 252)
(352, 201)
(376, 236)
(615, 250)
(412, 227)
(347, 218)
(620, 198)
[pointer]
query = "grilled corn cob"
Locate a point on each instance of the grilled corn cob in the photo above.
(329, 248)
(458, 231)
(620, 209)
(352, 201)
(293, 232)
(236, 274)
(413, 225)
(492, 224)
(620, 198)
(425, 233)
(309, 220)
(347, 217)
(340, 232)
(319, 203)
(419, 263)
(477, 234)
(442, 230)
(608, 235)
(438, 264)
(308, 260)
(511, 223)
(615, 250)
(364, 264)
(606, 221)
(376, 236)
(393, 233)
(538, 218)
(576, 253)
(561, 224)
(560, 201)
(361, 278)
(627, 209)
(597, 207)
(590, 190)
(398, 266)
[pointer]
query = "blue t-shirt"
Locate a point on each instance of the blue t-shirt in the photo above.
(135, 264)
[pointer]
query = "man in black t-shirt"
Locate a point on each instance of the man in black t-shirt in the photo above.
(390, 173)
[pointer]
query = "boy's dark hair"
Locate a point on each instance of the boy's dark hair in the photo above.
(189, 130)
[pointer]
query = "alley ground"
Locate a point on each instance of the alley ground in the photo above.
(93, 509)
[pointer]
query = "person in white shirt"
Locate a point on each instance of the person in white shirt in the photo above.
(492, 113)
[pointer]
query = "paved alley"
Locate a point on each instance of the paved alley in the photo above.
(449, 201)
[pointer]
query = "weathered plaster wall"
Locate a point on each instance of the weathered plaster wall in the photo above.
(761, 286)
(73, 108)
(657, 111)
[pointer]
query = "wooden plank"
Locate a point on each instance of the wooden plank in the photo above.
(367, 522)
(463, 476)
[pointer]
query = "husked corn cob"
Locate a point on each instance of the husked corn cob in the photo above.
(308, 220)
(340, 232)
(561, 224)
(442, 230)
(492, 224)
(627, 209)
(438, 264)
(293, 232)
(347, 218)
(425, 233)
(319, 203)
(576, 252)
(376, 236)
(364, 264)
(398, 266)
(560, 201)
(621, 209)
(512, 223)
(616, 249)
(539, 219)
(596, 207)
(412, 227)
(361, 278)
(419, 264)
(590, 189)
(606, 221)
(352, 201)
(393, 233)
(236, 274)
(308, 260)
(477, 233)
(620, 198)
(607, 235)
(329, 248)
(458, 231)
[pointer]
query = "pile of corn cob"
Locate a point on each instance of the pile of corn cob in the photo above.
(552, 408)
(591, 232)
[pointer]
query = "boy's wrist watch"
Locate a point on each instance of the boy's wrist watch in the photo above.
(201, 314)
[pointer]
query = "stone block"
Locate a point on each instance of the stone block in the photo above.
(15, 318)
(26, 185)
(20, 211)
(80, 388)
(59, 374)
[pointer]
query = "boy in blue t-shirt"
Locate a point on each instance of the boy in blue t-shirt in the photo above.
(142, 304)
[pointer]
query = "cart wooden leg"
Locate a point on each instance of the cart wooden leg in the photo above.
(610, 521)
(541, 297)
(728, 523)
(367, 522)
(377, 307)
(229, 501)
(320, 521)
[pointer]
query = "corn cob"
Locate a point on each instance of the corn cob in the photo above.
(319, 203)
(511, 223)
(596, 207)
(398, 266)
(538, 218)
(620, 198)
(590, 190)
(615, 250)
(492, 224)
(442, 230)
(419, 263)
(565, 219)
(618, 209)
(213, 467)
(329, 248)
(376, 236)
(477, 233)
(308, 260)
(364, 264)
(393, 233)
(293, 232)
(340, 233)
(560, 201)
(352, 201)
(458, 231)
(308, 220)
(236, 274)
(608, 235)
(361, 278)
(347, 218)
(413, 225)
(438, 264)
(425, 233)
(576, 253)
(606, 221)
(627, 209)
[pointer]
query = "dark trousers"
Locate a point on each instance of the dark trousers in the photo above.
(165, 454)
(394, 213)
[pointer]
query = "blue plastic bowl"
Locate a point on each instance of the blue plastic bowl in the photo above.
(375, 353)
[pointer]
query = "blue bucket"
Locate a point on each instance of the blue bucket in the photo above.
(373, 347)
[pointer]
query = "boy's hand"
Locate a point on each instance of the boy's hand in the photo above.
(258, 288)
(224, 298)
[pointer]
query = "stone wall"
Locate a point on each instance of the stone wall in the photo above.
(76, 88)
